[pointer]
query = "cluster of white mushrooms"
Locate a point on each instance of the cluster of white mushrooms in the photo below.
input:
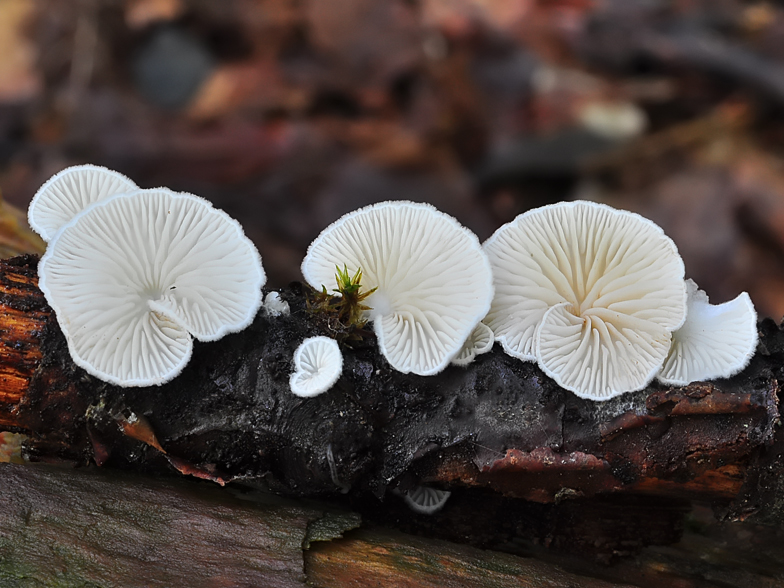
(133, 274)
(596, 296)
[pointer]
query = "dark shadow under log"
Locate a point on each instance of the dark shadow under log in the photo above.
(499, 424)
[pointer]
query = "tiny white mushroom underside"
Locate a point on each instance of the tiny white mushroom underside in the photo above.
(318, 364)
(479, 341)
(425, 499)
(433, 282)
(131, 278)
(716, 341)
(69, 192)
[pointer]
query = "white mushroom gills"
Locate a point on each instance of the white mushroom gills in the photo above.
(425, 499)
(589, 292)
(69, 192)
(716, 341)
(433, 281)
(133, 277)
(318, 364)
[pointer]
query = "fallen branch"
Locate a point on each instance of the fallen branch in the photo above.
(498, 423)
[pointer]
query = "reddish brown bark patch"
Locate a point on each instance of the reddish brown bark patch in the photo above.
(23, 315)
(542, 475)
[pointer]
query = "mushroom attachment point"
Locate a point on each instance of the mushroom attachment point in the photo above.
(589, 292)
(69, 192)
(318, 364)
(716, 341)
(133, 277)
(275, 306)
(432, 281)
(479, 341)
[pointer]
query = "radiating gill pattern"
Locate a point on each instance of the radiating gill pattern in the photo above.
(433, 280)
(609, 282)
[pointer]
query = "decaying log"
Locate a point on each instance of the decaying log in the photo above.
(499, 424)
(108, 528)
(69, 527)
(84, 529)
(376, 558)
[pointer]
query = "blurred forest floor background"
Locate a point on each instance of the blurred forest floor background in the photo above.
(289, 113)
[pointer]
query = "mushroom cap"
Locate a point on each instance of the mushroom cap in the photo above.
(132, 277)
(479, 341)
(589, 292)
(433, 280)
(716, 341)
(69, 192)
(318, 364)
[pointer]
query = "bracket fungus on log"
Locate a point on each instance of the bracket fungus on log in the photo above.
(716, 341)
(133, 277)
(589, 292)
(432, 280)
(69, 192)
(496, 423)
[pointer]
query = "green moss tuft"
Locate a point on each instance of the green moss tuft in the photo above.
(343, 309)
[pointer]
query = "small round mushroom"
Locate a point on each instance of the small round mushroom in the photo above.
(425, 499)
(716, 341)
(69, 192)
(589, 292)
(433, 282)
(132, 277)
(318, 364)
(479, 341)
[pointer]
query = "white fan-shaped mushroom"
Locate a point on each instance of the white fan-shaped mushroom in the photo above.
(69, 192)
(479, 341)
(131, 276)
(433, 281)
(589, 292)
(426, 500)
(318, 364)
(716, 341)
